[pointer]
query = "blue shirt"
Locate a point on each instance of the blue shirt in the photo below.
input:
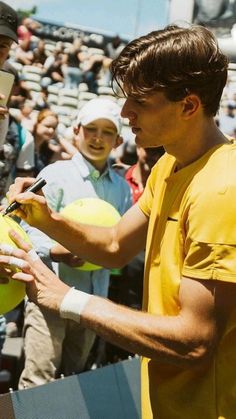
(68, 181)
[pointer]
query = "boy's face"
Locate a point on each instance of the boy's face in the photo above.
(96, 140)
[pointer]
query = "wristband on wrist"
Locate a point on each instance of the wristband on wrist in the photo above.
(73, 304)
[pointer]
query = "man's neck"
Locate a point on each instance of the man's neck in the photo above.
(198, 142)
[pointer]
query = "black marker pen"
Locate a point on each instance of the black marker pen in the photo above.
(35, 187)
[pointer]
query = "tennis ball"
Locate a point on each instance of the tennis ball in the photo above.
(12, 293)
(93, 211)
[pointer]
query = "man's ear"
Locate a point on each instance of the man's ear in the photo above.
(191, 104)
(76, 129)
(119, 141)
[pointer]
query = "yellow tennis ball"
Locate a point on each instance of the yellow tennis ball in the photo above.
(93, 211)
(12, 293)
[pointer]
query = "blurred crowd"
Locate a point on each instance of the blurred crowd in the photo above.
(54, 79)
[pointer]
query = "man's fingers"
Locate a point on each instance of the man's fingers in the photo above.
(19, 241)
(30, 198)
(19, 186)
(23, 277)
(6, 249)
(18, 263)
(12, 262)
(24, 182)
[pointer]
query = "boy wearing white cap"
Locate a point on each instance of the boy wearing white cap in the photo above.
(57, 346)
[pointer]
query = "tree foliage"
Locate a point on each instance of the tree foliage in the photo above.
(22, 13)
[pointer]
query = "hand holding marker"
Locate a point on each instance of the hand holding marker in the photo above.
(35, 187)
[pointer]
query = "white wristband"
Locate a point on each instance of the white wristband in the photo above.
(73, 304)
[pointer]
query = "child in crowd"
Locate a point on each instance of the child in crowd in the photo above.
(53, 346)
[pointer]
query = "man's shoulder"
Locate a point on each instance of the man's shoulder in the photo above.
(216, 178)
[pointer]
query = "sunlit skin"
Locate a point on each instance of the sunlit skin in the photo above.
(96, 140)
(156, 121)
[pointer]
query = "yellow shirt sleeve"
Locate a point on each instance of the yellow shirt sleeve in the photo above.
(210, 231)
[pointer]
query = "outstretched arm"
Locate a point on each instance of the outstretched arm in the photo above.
(110, 247)
(184, 339)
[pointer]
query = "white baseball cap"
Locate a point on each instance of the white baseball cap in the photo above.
(100, 108)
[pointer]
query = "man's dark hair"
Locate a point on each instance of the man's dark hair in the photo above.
(177, 61)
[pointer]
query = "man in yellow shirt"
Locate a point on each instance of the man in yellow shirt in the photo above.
(173, 81)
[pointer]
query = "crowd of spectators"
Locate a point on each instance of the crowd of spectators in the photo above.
(53, 81)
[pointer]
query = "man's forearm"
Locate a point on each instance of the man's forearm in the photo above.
(156, 337)
(91, 243)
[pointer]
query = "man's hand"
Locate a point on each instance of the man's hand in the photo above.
(33, 209)
(59, 253)
(43, 287)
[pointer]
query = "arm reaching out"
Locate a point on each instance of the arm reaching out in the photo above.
(109, 247)
(185, 339)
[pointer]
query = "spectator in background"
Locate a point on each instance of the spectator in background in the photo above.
(114, 47)
(16, 155)
(17, 151)
(137, 174)
(53, 73)
(27, 28)
(20, 91)
(73, 75)
(57, 346)
(92, 71)
(39, 54)
(24, 31)
(45, 139)
(227, 120)
(23, 53)
(27, 115)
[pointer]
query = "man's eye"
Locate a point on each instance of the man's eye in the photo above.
(139, 101)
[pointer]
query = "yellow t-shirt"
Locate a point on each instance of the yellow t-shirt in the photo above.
(192, 233)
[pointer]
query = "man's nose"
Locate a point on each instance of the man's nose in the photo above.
(127, 112)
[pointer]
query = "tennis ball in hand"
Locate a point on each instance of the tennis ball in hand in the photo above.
(93, 211)
(12, 293)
